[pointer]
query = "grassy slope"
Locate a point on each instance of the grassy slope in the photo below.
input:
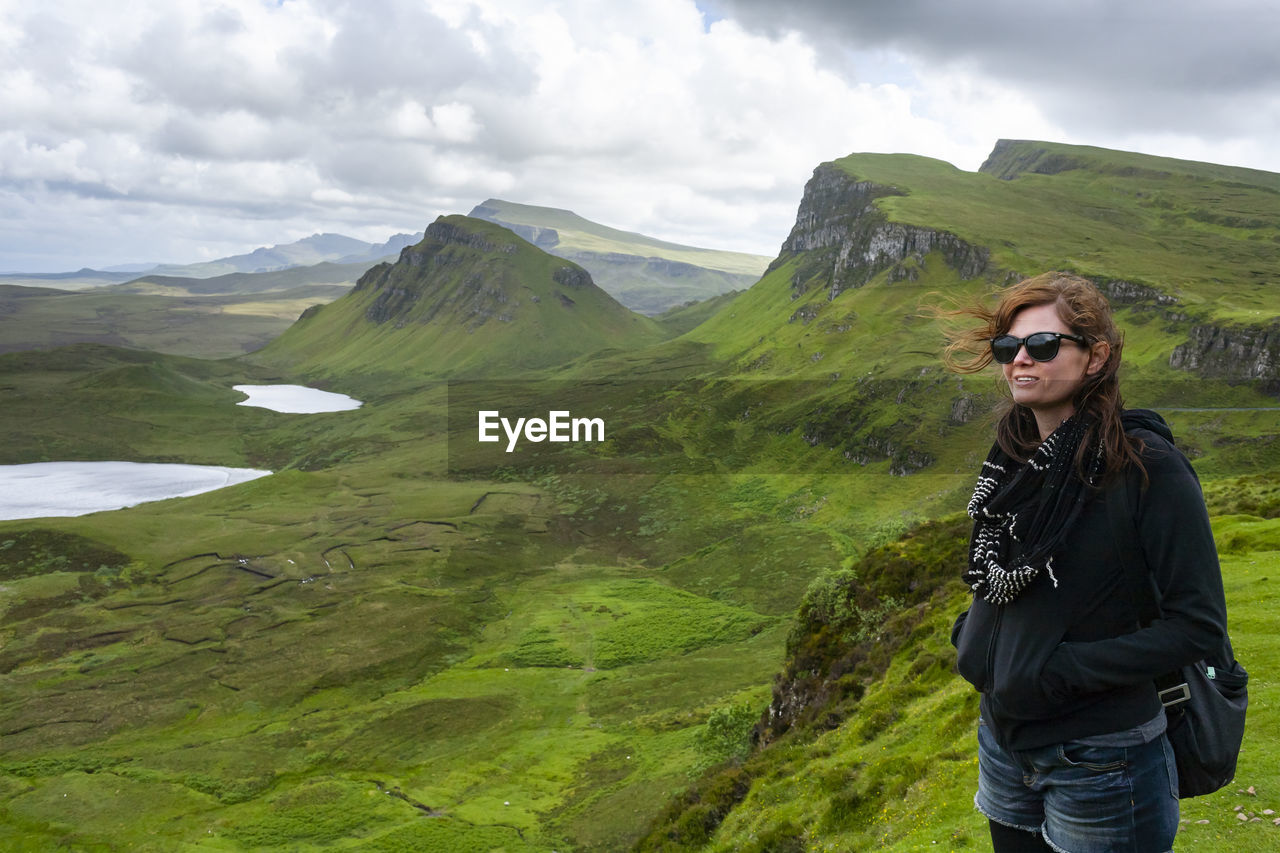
(647, 275)
(899, 773)
(684, 318)
(164, 320)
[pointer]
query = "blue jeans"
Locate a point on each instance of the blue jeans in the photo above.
(1083, 799)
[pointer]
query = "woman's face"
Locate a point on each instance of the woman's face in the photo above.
(1047, 387)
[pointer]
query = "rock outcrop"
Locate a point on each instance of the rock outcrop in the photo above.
(1231, 352)
(846, 240)
(1121, 292)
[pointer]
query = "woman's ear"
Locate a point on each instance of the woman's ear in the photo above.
(1098, 355)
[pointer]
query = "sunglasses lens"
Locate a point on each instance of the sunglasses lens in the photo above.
(1042, 346)
(1004, 349)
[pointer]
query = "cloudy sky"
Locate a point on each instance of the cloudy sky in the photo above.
(184, 130)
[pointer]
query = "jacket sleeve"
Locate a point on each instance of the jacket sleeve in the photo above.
(1172, 526)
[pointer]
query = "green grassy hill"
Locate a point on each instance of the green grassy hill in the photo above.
(404, 641)
(471, 299)
(643, 273)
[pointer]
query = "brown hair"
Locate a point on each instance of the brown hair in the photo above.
(1086, 312)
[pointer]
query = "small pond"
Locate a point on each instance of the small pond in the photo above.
(295, 399)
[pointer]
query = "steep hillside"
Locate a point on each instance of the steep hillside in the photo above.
(688, 315)
(867, 741)
(1195, 244)
(881, 239)
(470, 299)
(643, 273)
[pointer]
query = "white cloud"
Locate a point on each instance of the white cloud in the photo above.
(145, 130)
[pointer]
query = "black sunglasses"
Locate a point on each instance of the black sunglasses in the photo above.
(1041, 346)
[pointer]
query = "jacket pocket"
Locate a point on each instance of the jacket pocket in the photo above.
(972, 635)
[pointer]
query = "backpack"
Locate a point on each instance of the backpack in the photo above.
(1205, 701)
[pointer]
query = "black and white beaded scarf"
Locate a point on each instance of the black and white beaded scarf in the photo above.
(1023, 512)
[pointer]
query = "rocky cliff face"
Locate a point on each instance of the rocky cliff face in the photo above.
(1121, 292)
(1212, 351)
(846, 240)
(1221, 352)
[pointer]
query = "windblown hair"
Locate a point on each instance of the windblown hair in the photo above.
(1087, 313)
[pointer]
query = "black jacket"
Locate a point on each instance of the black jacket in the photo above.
(1066, 662)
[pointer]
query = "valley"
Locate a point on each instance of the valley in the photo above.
(723, 627)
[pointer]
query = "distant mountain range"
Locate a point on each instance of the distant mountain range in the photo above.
(239, 303)
(645, 274)
(316, 249)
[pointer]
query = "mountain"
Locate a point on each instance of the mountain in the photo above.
(315, 249)
(867, 741)
(471, 297)
(1188, 243)
(380, 251)
(643, 273)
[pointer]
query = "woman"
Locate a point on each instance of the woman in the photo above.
(1071, 748)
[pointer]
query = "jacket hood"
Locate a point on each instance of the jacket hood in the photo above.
(1148, 420)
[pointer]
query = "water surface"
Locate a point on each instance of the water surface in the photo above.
(295, 399)
(43, 489)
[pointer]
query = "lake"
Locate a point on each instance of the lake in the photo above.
(42, 489)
